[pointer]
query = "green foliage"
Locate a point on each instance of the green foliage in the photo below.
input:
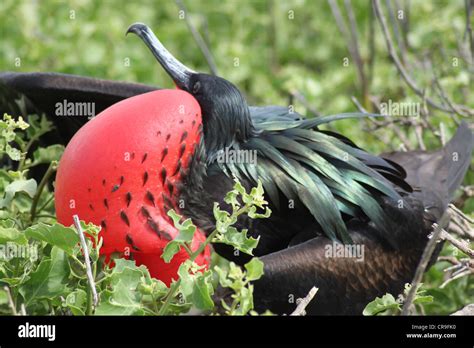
(388, 305)
(450, 297)
(195, 284)
(8, 126)
(252, 201)
(239, 281)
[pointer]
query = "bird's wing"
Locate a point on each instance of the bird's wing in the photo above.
(347, 279)
(346, 284)
(40, 93)
(326, 173)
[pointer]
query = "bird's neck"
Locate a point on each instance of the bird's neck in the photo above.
(226, 127)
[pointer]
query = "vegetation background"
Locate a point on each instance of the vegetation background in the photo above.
(277, 52)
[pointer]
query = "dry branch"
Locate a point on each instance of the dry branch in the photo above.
(401, 69)
(85, 249)
(304, 302)
(425, 259)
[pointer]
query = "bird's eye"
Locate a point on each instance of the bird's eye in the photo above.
(196, 87)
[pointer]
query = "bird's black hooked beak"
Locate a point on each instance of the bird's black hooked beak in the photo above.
(180, 74)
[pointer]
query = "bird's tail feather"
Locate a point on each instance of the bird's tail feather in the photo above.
(438, 174)
(461, 144)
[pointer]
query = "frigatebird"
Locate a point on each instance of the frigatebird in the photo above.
(323, 189)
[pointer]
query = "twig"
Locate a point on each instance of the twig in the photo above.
(359, 105)
(469, 4)
(464, 273)
(463, 246)
(301, 98)
(394, 127)
(393, 54)
(351, 39)
(355, 42)
(199, 40)
(419, 136)
(44, 181)
(425, 259)
(371, 44)
(272, 35)
(457, 227)
(10, 300)
(451, 259)
(394, 21)
(90, 277)
(300, 309)
(442, 133)
(460, 213)
(460, 223)
(454, 108)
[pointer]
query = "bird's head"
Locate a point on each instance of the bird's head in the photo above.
(226, 116)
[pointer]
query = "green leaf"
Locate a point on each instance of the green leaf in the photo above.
(47, 155)
(186, 229)
(58, 235)
(202, 291)
(419, 294)
(124, 296)
(13, 152)
(12, 235)
(254, 269)
(48, 280)
(231, 198)
(384, 305)
(254, 215)
(110, 306)
(185, 236)
(224, 281)
(174, 216)
(38, 126)
(3, 297)
(8, 128)
(76, 301)
(423, 299)
(196, 285)
(28, 186)
(238, 239)
(170, 250)
(245, 299)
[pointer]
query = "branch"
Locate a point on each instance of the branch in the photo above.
(85, 249)
(11, 303)
(44, 181)
(394, 21)
(463, 272)
(461, 245)
(351, 39)
(393, 55)
(468, 33)
(199, 40)
(425, 259)
(300, 309)
(460, 223)
(301, 98)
